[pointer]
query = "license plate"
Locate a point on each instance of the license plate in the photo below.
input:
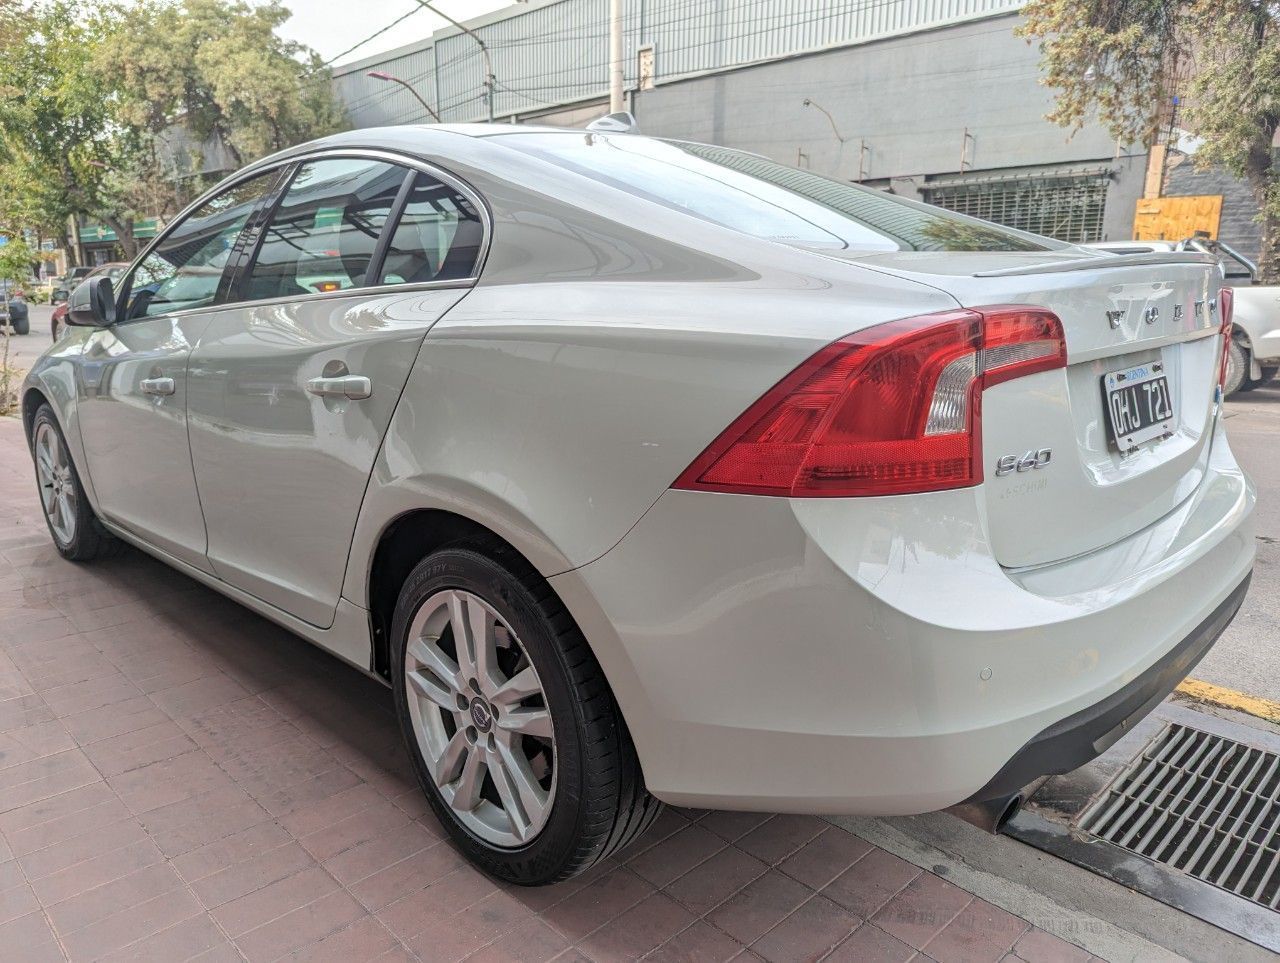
(1139, 405)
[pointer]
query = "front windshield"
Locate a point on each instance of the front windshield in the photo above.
(759, 197)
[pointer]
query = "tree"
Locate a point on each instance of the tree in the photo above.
(1118, 59)
(116, 112)
(15, 267)
(218, 70)
(55, 131)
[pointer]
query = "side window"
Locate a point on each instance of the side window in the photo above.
(183, 271)
(437, 237)
(322, 236)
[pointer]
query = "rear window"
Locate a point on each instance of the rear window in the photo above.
(757, 196)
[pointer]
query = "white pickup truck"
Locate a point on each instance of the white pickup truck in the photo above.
(1255, 343)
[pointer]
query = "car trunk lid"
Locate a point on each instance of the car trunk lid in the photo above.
(1058, 481)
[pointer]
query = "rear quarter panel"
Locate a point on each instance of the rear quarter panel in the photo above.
(596, 359)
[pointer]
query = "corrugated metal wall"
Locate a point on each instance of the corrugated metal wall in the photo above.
(555, 53)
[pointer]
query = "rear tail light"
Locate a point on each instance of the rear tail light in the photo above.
(1226, 306)
(892, 409)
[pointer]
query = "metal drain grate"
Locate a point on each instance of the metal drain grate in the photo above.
(1203, 804)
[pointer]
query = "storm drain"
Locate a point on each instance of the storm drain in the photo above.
(1203, 804)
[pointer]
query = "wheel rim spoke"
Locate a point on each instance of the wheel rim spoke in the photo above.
(527, 722)
(45, 461)
(467, 794)
(429, 688)
(459, 621)
(522, 797)
(425, 653)
(484, 641)
(519, 687)
(449, 764)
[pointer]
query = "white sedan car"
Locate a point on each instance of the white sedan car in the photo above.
(653, 471)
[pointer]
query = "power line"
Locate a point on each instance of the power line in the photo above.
(373, 36)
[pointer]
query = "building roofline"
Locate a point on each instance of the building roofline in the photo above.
(510, 12)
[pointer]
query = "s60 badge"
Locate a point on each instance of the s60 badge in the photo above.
(1029, 461)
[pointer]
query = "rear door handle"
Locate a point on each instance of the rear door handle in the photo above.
(354, 387)
(157, 386)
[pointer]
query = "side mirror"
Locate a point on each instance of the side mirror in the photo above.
(93, 303)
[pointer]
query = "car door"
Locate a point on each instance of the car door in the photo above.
(132, 409)
(290, 393)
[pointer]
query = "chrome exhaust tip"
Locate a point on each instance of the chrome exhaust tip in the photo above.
(989, 815)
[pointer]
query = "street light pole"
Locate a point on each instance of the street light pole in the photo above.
(489, 79)
(382, 75)
(615, 56)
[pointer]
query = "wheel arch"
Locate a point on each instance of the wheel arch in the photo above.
(405, 541)
(32, 398)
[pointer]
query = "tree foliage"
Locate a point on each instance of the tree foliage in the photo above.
(1123, 60)
(119, 111)
(218, 70)
(55, 140)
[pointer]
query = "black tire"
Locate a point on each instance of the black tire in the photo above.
(600, 802)
(88, 540)
(1237, 369)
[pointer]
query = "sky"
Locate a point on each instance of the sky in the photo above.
(332, 26)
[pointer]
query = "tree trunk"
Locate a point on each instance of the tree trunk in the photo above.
(1260, 171)
(124, 235)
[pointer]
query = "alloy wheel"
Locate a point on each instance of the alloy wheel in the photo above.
(57, 487)
(481, 718)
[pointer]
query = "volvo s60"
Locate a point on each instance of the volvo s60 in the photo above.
(649, 471)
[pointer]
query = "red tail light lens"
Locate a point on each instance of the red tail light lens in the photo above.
(892, 409)
(1226, 306)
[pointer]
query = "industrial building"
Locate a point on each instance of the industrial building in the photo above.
(935, 99)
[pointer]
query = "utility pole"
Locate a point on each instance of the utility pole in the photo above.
(615, 56)
(490, 81)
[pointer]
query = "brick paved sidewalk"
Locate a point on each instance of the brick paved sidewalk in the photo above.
(181, 779)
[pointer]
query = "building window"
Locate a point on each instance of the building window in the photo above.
(1067, 205)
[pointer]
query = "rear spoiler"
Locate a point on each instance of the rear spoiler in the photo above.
(1093, 262)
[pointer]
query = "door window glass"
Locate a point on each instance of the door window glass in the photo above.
(184, 269)
(323, 234)
(437, 238)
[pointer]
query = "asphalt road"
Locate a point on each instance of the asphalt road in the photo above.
(24, 349)
(1247, 658)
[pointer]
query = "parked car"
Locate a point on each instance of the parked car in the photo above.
(18, 314)
(112, 269)
(63, 286)
(1255, 335)
(647, 470)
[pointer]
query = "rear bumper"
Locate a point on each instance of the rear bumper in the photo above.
(1086, 734)
(870, 655)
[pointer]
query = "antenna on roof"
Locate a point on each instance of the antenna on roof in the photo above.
(623, 122)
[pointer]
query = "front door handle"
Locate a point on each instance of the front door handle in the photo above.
(354, 387)
(157, 386)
